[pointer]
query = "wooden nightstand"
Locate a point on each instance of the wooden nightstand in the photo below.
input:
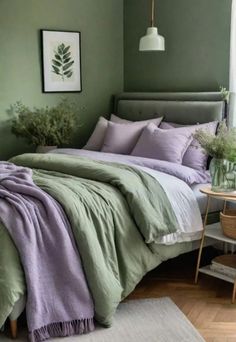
(214, 231)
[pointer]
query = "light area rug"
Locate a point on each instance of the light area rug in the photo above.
(148, 320)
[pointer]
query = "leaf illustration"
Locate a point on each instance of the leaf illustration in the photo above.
(69, 74)
(56, 63)
(67, 66)
(56, 70)
(58, 57)
(67, 55)
(66, 49)
(62, 62)
(61, 48)
(67, 60)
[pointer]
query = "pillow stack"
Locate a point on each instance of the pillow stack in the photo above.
(170, 142)
(117, 135)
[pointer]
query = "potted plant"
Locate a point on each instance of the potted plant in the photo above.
(222, 149)
(46, 128)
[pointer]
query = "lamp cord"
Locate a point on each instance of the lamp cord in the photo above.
(152, 13)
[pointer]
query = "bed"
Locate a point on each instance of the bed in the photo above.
(181, 108)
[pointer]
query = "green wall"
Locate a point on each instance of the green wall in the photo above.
(101, 26)
(197, 36)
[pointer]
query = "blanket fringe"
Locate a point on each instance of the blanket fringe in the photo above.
(62, 329)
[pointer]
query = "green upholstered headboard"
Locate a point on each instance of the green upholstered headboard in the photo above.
(183, 108)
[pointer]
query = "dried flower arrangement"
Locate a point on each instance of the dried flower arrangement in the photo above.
(220, 146)
(45, 126)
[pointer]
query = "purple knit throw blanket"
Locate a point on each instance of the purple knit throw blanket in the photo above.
(58, 299)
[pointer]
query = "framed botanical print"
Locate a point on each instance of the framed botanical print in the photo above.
(61, 61)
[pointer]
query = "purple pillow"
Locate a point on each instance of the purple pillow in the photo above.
(169, 145)
(121, 138)
(194, 157)
(96, 139)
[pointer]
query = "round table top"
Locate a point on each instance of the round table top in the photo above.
(230, 196)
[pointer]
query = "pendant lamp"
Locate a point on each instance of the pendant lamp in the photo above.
(152, 41)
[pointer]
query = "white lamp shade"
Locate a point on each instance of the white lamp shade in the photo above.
(152, 41)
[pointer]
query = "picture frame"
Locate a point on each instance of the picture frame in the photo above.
(61, 61)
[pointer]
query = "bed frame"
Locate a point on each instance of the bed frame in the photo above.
(182, 108)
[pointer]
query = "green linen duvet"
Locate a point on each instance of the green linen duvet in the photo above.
(116, 213)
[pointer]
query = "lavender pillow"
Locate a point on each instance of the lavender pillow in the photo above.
(96, 140)
(194, 157)
(169, 145)
(121, 138)
(118, 120)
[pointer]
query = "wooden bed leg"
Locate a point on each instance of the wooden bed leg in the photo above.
(13, 326)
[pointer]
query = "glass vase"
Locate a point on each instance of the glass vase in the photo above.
(221, 175)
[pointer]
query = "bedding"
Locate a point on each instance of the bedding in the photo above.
(169, 145)
(12, 280)
(181, 197)
(184, 173)
(49, 256)
(194, 157)
(108, 219)
(195, 179)
(96, 140)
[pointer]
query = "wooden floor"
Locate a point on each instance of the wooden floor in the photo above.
(207, 304)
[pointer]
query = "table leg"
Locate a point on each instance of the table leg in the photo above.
(203, 238)
(234, 292)
(225, 243)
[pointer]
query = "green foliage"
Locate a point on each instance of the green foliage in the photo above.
(225, 93)
(62, 62)
(222, 145)
(45, 126)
